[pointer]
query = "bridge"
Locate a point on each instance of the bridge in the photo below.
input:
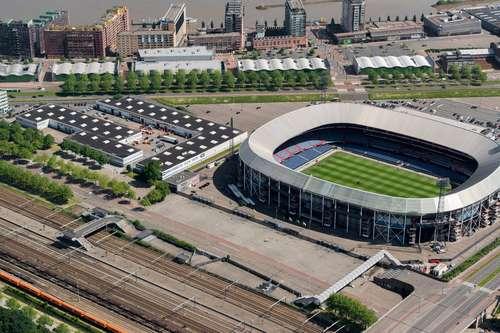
(78, 235)
(353, 275)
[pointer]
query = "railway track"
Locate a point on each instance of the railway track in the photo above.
(153, 308)
(246, 299)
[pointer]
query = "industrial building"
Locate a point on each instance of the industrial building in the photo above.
(398, 30)
(192, 53)
(295, 18)
(204, 139)
(220, 42)
(110, 138)
(233, 16)
(271, 157)
(353, 15)
(4, 102)
(364, 63)
(451, 24)
(168, 31)
(66, 68)
(489, 16)
(245, 65)
(465, 57)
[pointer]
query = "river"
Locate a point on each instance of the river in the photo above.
(88, 11)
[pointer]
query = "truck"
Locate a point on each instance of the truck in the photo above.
(439, 269)
(169, 139)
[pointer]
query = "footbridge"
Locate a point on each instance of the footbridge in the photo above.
(353, 275)
(78, 235)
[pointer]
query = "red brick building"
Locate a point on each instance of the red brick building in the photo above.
(279, 42)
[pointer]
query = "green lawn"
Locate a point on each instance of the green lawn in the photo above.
(372, 176)
(450, 92)
(268, 98)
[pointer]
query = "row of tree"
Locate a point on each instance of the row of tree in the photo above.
(356, 315)
(85, 151)
(157, 194)
(18, 142)
(467, 72)
(33, 183)
(84, 174)
(138, 82)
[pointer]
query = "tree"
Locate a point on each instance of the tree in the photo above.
(204, 79)
(29, 312)
(69, 85)
(482, 76)
(144, 82)
(275, 23)
(47, 141)
(45, 321)
(388, 19)
(62, 328)
(180, 79)
(277, 79)
(155, 79)
(373, 77)
(357, 316)
(455, 72)
(119, 85)
(82, 84)
(290, 78)
(95, 82)
(216, 78)
(229, 80)
(414, 18)
(15, 321)
(192, 80)
(465, 72)
(13, 304)
(168, 79)
(152, 172)
(132, 81)
(301, 78)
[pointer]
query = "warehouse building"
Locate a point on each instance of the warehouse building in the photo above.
(105, 136)
(287, 64)
(192, 53)
(204, 139)
(451, 24)
(489, 16)
(363, 63)
(60, 70)
(18, 72)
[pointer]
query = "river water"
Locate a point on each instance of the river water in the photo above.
(88, 11)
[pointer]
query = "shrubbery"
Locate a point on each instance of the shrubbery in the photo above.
(84, 150)
(354, 314)
(450, 275)
(18, 142)
(157, 194)
(175, 241)
(33, 183)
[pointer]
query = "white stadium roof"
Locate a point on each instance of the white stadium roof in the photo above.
(245, 65)
(257, 153)
(18, 69)
(83, 68)
(391, 62)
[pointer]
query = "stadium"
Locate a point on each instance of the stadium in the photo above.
(392, 176)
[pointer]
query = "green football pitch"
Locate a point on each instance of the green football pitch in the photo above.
(368, 175)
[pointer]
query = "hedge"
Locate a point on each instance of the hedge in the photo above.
(451, 274)
(175, 241)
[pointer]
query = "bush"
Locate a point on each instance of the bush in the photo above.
(158, 194)
(172, 240)
(33, 183)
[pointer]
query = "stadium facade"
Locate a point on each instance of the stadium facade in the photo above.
(271, 157)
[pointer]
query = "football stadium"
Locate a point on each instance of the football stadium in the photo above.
(384, 175)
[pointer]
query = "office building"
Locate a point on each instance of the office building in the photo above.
(279, 42)
(4, 102)
(15, 41)
(295, 18)
(353, 15)
(451, 24)
(168, 31)
(233, 16)
(74, 42)
(24, 39)
(115, 21)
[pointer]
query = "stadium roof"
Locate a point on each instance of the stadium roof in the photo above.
(257, 152)
(392, 62)
(18, 69)
(281, 64)
(83, 68)
(174, 66)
